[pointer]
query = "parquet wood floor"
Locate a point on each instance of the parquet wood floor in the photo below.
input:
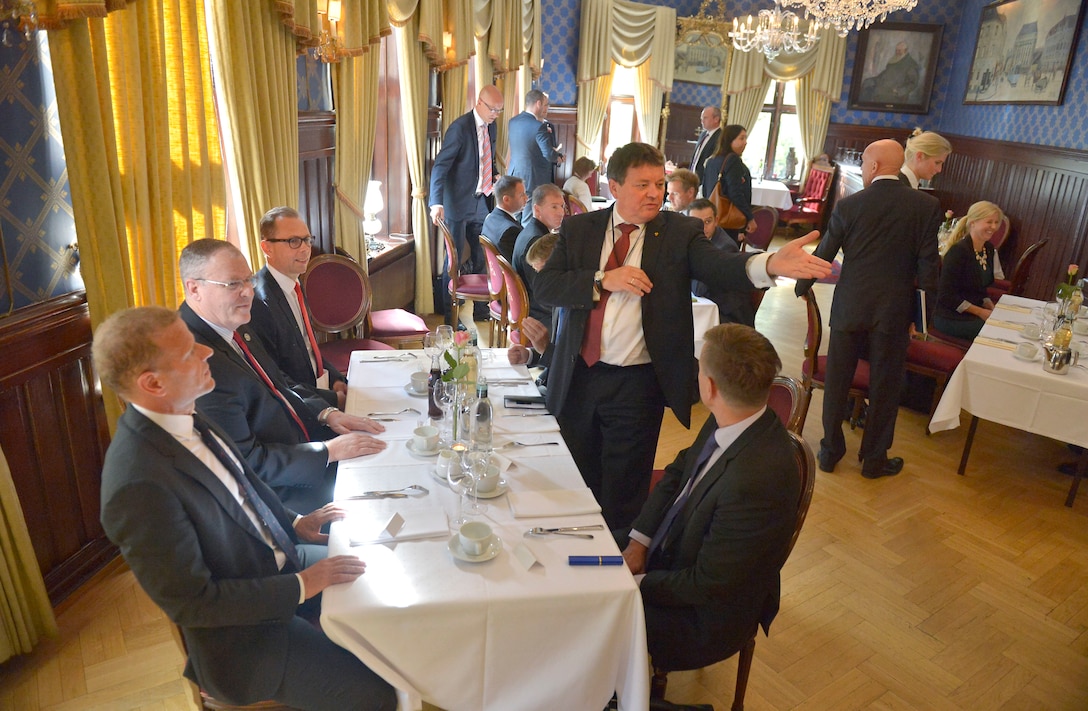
(923, 591)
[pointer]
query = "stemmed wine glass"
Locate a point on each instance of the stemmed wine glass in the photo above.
(445, 395)
(433, 348)
(459, 484)
(444, 336)
(475, 466)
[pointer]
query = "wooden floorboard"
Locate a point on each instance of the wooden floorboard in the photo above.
(923, 591)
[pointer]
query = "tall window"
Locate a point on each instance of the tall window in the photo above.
(776, 131)
(620, 124)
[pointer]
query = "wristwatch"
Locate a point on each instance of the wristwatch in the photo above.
(598, 279)
(323, 416)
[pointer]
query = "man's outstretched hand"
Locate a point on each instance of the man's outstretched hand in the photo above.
(793, 261)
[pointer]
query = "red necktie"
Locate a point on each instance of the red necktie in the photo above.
(487, 177)
(269, 384)
(309, 330)
(591, 341)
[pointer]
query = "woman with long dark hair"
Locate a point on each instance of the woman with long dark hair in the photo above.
(728, 171)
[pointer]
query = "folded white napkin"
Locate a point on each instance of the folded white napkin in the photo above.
(514, 424)
(418, 523)
(554, 502)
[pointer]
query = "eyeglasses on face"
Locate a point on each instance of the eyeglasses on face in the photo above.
(293, 242)
(491, 108)
(233, 286)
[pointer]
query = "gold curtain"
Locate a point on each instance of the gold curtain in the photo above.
(414, 70)
(454, 71)
(745, 87)
(362, 23)
(55, 14)
(25, 611)
(258, 111)
(356, 83)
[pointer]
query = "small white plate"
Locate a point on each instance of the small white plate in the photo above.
(408, 389)
(499, 490)
(1032, 359)
(1026, 337)
(422, 454)
(490, 552)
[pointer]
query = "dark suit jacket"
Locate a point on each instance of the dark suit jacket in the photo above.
(733, 306)
(707, 150)
(723, 555)
(675, 251)
(734, 178)
(533, 231)
(502, 229)
(256, 421)
(200, 558)
(888, 236)
(273, 320)
(456, 169)
(532, 151)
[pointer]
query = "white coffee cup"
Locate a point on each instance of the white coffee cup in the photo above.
(419, 382)
(425, 439)
(1031, 330)
(446, 459)
(1027, 350)
(489, 481)
(1080, 327)
(474, 537)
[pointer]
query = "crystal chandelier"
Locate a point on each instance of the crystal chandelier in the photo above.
(845, 15)
(17, 16)
(776, 31)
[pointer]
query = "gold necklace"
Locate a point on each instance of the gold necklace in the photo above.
(980, 256)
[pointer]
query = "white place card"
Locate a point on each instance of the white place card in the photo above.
(525, 557)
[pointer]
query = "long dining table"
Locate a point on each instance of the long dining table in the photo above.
(993, 383)
(523, 630)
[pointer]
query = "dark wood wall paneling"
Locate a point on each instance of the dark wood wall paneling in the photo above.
(564, 121)
(316, 161)
(1043, 190)
(682, 133)
(54, 435)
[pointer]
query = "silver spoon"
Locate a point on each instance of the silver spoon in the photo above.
(399, 412)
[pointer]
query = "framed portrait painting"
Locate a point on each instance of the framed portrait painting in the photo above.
(1023, 52)
(894, 67)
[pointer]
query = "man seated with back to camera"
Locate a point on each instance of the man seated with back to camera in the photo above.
(708, 544)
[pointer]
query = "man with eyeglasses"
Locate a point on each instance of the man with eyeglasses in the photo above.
(292, 438)
(279, 313)
(463, 182)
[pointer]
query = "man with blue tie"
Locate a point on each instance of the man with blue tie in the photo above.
(463, 179)
(709, 543)
(209, 542)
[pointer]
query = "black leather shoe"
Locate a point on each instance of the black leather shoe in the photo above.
(887, 467)
(827, 460)
(1068, 468)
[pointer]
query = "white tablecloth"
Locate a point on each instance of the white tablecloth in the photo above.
(772, 193)
(490, 635)
(704, 313)
(991, 383)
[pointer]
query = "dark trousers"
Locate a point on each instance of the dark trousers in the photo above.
(886, 353)
(610, 422)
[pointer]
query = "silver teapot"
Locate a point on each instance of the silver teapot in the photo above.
(1058, 360)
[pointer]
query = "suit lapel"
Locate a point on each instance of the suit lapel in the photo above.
(186, 463)
(717, 470)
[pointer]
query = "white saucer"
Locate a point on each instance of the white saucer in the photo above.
(422, 454)
(1026, 337)
(492, 550)
(408, 389)
(499, 490)
(1034, 358)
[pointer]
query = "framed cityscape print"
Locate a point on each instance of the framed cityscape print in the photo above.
(1023, 52)
(894, 67)
(701, 58)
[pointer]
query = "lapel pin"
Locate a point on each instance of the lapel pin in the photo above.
(246, 336)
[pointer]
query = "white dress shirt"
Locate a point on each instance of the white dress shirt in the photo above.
(287, 285)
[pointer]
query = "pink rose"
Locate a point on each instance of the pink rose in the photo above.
(460, 338)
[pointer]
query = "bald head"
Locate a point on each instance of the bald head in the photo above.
(884, 157)
(489, 103)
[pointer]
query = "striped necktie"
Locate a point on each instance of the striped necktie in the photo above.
(487, 170)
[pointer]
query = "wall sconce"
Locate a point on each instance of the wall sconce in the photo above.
(372, 205)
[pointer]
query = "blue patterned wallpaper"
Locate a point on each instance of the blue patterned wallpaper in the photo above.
(37, 230)
(314, 84)
(1063, 126)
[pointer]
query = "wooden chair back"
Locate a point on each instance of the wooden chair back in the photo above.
(766, 220)
(337, 292)
(1001, 234)
(496, 285)
(1022, 270)
(517, 297)
(789, 400)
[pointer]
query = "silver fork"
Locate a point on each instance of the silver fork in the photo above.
(399, 412)
(516, 443)
(391, 493)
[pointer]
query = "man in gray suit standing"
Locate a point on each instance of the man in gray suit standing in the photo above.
(532, 145)
(208, 541)
(888, 236)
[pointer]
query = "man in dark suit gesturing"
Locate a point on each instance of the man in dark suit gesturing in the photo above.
(291, 436)
(279, 314)
(888, 236)
(463, 176)
(622, 278)
(208, 541)
(712, 537)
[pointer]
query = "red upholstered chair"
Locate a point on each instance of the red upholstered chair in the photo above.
(809, 209)
(338, 294)
(574, 205)
(933, 359)
(766, 220)
(462, 287)
(789, 401)
(814, 368)
(1001, 234)
(517, 298)
(1020, 273)
(806, 471)
(496, 285)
